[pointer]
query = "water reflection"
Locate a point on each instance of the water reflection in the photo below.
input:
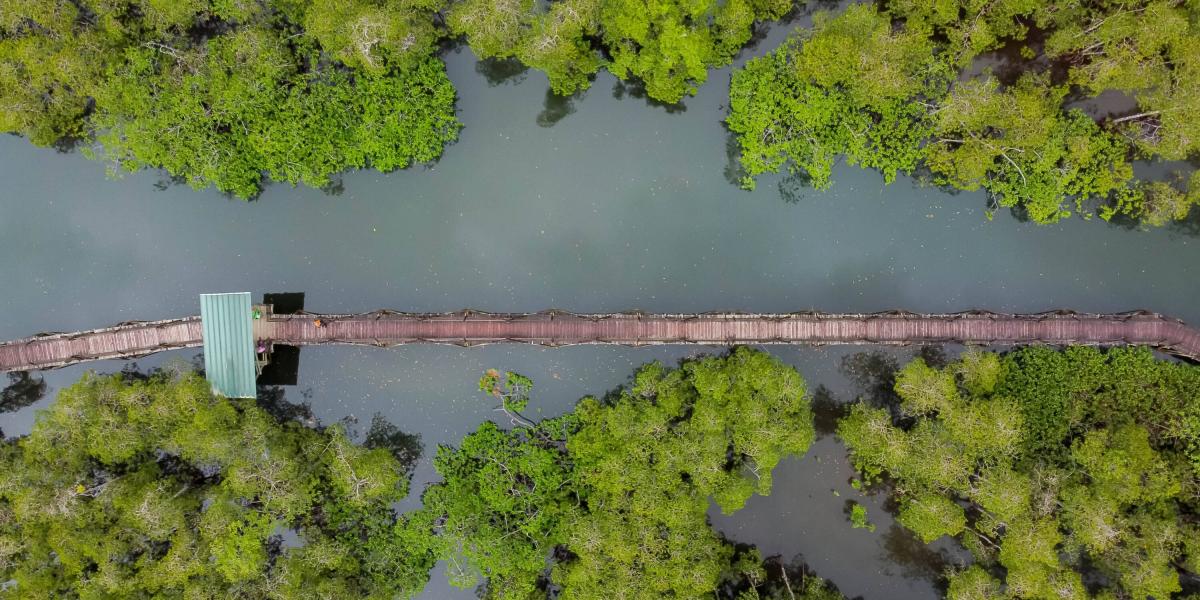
(22, 390)
(915, 560)
(556, 108)
(788, 580)
(734, 171)
(406, 447)
(790, 576)
(167, 181)
(827, 410)
(873, 375)
(273, 399)
(637, 89)
(335, 187)
(934, 355)
(1189, 226)
(1008, 62)
(500, 71)
(796, 187)
(170, 369)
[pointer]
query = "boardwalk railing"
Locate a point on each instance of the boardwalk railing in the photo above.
(558, 328)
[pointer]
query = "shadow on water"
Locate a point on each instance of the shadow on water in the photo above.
(873, 375)
(284, 303)
(70, 143)
(500, 71)
(934, 355)
(335, 187)
(168, 181)
(1189, 226)
(799, 16)
(784, 580)
(405, 447)
(796, 187)
(273, 399)
(914, 558)
(827, 411)
(556, 108)
(758, 33)
(637, 90)
(284, 368)
(1190, 584)
(22, 390)
(172, 368)
(793, 575)
(734, 172)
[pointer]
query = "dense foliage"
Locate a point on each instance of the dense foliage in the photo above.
(225, 93)
(1064, 472)
(1049, 466)
(156, 488)
(610, 501)
(233, 94)
(668, 45)
(898, 91)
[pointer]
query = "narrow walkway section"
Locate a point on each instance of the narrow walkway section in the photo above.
(556, 328)
(132, 339)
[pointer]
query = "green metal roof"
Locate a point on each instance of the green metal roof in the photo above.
(229, 344)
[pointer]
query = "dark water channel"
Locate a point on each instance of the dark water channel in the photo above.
(598, 203)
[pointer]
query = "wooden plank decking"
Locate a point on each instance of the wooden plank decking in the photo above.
(556, 328)
(127, 340)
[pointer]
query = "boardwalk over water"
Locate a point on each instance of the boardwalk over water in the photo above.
(556, 328)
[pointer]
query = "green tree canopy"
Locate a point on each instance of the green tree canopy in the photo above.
(1147, 49)
(614, 495)
(671, 44)
(229, 94)
(1065, 461)
(901, 91)
(158, 488)
(1027, 152)
(852, 86)
(551, 37)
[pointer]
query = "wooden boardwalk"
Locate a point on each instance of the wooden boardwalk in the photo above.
(556, 328)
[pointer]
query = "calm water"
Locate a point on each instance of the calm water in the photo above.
(615, 205)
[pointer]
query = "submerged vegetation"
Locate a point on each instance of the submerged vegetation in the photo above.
(902, 92)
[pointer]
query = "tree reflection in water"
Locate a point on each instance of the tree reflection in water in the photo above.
(22, 390)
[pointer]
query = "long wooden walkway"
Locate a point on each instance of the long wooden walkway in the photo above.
(556, 328)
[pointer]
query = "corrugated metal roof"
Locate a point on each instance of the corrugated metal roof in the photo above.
(229, 344)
